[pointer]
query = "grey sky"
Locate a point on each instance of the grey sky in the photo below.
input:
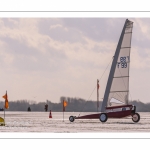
(52, 57)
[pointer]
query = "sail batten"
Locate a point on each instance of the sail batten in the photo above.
(128, 32)
(117, 91)
(117, 88)
(122, 77)
(125, 47)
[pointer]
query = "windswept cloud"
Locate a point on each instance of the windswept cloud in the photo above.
(51, 57)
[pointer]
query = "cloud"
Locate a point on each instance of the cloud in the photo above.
(51, 57)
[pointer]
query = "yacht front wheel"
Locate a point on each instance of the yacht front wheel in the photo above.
(103, 117)
(71, 118)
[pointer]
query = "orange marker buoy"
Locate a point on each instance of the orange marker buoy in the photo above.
(50, 115)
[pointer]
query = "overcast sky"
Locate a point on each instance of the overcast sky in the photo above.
(48, 58)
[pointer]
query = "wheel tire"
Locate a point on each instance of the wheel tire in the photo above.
(103, 117)
(136, 117)
(71, 118)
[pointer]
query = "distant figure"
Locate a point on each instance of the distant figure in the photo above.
(1, 109)
(46, 107)
(29, 109)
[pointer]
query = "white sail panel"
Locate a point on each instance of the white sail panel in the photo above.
(126, 40)
(120, 84)
(119, 88)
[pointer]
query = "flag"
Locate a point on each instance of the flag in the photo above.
(97, 84)
(6, 100)
(64, 104)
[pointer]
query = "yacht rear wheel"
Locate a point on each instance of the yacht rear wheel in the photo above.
(136, 117)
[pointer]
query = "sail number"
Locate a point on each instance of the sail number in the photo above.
(123, 62)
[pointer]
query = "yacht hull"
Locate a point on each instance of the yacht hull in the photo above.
(112, 112)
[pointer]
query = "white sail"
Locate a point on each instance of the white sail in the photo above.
(118, 82)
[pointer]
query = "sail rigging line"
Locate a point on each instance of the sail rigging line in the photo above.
(96, 85)
(121, 96)
(106, 68)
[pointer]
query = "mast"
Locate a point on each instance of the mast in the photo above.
(111, 74)
(97, 94)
